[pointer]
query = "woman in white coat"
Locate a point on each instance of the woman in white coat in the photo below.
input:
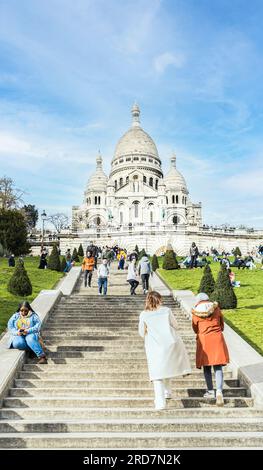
(165, 350)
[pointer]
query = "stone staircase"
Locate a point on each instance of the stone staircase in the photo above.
(95, 393)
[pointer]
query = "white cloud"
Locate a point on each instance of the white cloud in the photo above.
(247, 183)
(12, 144)
(162, 61)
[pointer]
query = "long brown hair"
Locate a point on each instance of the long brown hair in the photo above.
(153, 300)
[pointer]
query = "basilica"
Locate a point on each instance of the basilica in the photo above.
(136, 193)
(139, 205)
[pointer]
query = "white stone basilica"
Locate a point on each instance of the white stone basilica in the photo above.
(136, 194)
(138, 205)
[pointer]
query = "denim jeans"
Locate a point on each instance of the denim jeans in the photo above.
(103, 282)
(218, 375)
(28, 342)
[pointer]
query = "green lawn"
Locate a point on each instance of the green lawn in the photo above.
(40, 279)
(247, 318)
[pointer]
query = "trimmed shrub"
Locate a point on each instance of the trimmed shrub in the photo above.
(142, 253)
(63, 264)
(170, 261)
(19, 283)
(224, 293)
(155, 263)
(237, 251)
(2, 251)
(207, 284)
(75, 256)
(54, 260)
(81, 251)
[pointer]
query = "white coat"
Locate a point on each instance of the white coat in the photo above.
(165, 350)
(131, 276)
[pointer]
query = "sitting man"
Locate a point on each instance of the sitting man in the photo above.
(24, 326)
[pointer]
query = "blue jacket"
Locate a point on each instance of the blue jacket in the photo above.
(33, 326)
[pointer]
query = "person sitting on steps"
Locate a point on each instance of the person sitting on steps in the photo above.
(24, 326)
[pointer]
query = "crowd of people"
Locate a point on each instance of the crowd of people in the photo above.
(135, 268)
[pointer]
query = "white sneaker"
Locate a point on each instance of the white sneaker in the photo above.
(209, 394)
(219, 398)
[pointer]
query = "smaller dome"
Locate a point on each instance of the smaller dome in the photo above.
(98, 181)
(174, 179)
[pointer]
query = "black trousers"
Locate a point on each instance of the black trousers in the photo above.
(145, 281)
(87, 276)
(193, 263)
(134, 284)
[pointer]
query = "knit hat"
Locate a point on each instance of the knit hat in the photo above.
(200, 297)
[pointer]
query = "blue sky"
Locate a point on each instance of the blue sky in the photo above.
(71, 70)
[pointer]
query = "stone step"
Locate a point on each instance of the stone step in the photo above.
(67, 322)
(85, 391)
(126, 413)
(112, 370)
(118, 348)
(186, 402)
(121, 364)
(104, 349)
(128, 440)
(104, 336)
(114, 377)
(133, 425)
(118, 329)
(106, 317)
(79, 381)
(99, 353)
(115, 343)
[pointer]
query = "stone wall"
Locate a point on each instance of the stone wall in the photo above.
(155, 242)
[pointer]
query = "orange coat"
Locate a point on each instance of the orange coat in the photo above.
(208, 324)
(88, 263)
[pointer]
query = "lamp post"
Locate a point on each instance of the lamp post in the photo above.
(44, 218)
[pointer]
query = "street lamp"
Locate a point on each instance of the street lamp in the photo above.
(44, 218)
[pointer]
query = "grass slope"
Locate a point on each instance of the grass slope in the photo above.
(247, 318)
(40, 278)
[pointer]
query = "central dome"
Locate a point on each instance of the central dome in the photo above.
(135, 141)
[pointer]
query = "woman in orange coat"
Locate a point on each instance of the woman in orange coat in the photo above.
(211, 349)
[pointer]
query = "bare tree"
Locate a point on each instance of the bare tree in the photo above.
(59, 221)
(10, 196)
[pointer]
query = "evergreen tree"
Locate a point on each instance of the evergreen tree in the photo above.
(54, 259)
(170, 261)
(75, 256)
(81, 251)
(207, 284)
(137, 249)
(63, 264)
(2, 251)
(19, 283)
(142, 253)
(13, 232)
(237, 251)
(155, 263)
(224, 293)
